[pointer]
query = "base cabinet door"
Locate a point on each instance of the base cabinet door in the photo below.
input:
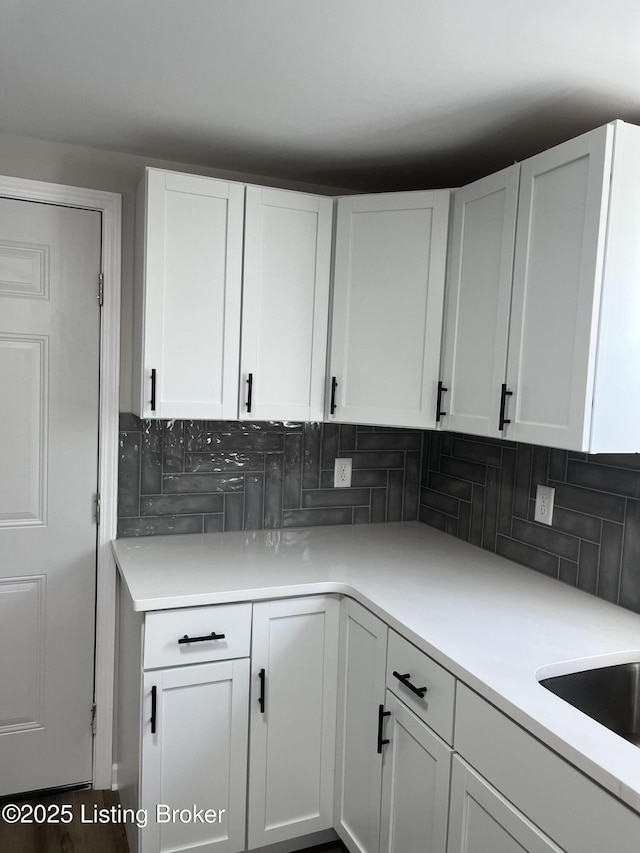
(194, 758)
(415, 784)
(294, 666)
(482, 821)
(363, 656)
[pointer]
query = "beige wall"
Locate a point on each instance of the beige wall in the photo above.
(40, 160)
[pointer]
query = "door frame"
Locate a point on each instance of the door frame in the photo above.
(110, 206)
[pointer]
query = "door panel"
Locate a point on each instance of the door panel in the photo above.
(557, 282)
(49, 381)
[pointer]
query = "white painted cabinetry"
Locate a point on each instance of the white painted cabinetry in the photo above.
(287, 258)
(361, 688)
(294, 667)
(477, 304)
(188, 294)
(210, 266)
(390, 254)
(573, 305)
(415, 784)
(194, 756)
(482, 820)
(392, 779)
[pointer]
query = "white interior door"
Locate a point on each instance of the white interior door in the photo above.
(49, 368)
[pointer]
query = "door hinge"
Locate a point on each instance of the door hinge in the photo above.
(94, 713)
(96, 507)
(101, 289)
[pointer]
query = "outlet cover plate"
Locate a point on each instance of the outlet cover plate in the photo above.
(342, 473)
(544, 504)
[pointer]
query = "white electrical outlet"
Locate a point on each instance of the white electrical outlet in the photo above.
(342, 473)
(544, 504)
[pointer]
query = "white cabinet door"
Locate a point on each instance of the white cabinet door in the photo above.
(415, 784)
(482, 821)
(477, 303)
(294, 667)
(559, 254)
(195, 758)
(285, 305)
(363, 655)
(187, 317)
(390, 255)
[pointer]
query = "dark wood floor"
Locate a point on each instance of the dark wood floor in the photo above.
(74, 837)
(77, 836)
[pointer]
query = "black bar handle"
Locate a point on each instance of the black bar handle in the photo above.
(404, 679)
(381, 715)
(503, 402)
(441, 390)
(249, 391)
(334, 385)
(261, 676)
(153, 389)
(154, 708)
(211, 636)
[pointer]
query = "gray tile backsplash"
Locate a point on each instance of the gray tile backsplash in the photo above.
(208, 476)
(483, 491)
(195, 476)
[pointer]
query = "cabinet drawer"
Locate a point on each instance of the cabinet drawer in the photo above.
(165, 628)
(436, 706)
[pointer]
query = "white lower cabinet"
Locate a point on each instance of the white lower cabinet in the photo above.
(415, 784)
(483, 821)
(392, 779)
(294, 667)
(194, 757)
(363, 656)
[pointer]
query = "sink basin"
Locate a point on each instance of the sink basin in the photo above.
(610, 695)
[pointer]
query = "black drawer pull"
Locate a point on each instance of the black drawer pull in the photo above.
(439, 413)
(381, 715)
(153, 389)
(249, 391)
(154, 708)
(503, 402)
(211, 636)
(404, 679)
(261, 676)
(334, 385)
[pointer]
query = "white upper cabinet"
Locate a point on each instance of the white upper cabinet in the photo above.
(287, 258)
(574, 304)
(477, 303)
(390, 255)
(557, 287)
(574, 354)
(194, 298)
(187, 313)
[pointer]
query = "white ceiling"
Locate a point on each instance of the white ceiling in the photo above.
(368, 94)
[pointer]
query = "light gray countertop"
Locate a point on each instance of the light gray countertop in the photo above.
(495, 625)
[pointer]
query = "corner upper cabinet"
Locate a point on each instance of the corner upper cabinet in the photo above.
(287, 259)
(390, 255)
(189, 233)
(477, 304)
(574, 351)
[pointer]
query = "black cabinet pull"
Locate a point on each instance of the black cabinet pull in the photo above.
(261, 676)
(249, 391)
(441, 390)
(153, 389)
(154, 708)
(404, 679)
(381, 715)
(334, 385)
(211, 636)
(503, 402)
